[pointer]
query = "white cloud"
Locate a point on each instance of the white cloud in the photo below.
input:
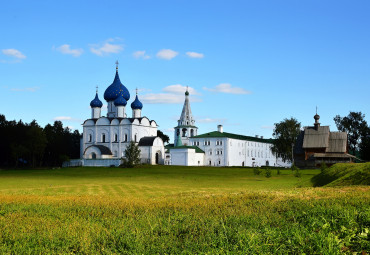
(174, 95)
(210, 120)
(66, 49)
(106, 48)
(227, 88)
(63, 118)
(167, 54)
(31, 89)
(180, 89)
(140, 54)
(194, 54)
(67, 118)
(13, 53)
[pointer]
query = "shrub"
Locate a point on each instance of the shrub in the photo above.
(268, 172)
(257, 171)
(323, 167)
(297, 173)
(294, 167)
(278, 171)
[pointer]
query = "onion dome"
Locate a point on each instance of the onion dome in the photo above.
(120, 101)
(96, 102)
(115, 89)
(136, 104)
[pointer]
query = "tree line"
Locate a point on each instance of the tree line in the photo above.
(354, 124)
(30, 145)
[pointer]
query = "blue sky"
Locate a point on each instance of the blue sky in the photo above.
(248, 64)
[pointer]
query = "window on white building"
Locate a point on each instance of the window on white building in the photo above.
(115, 137)
(103, 138)
(90, 138)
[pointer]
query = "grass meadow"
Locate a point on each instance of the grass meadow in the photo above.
(179, 210)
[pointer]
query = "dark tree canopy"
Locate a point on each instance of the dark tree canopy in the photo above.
(30, 145)
(356, 127)
(285, 134)
(164, 137)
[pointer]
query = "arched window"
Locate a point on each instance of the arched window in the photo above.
(125, 137)
(103, 138)
(90, 138)
(184, 132)
(115, 137)
(192, 132)
(135, 138)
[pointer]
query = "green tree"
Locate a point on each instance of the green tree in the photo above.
(164, 137)
(285, 134)
(36, 143)
(356, 128)
(132, 155)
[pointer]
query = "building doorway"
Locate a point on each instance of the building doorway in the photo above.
(93, 155)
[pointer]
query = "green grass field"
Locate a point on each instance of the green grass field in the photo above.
(179, 210)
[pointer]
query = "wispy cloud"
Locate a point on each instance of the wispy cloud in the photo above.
(180, 89)
(227, 88)
(140, 54)
(30, 89)
(167, 54)
(174, 95)
(66, 49)
(13, 53)
(194, 54)
(106, 48)
(211, 120)
(67, 118)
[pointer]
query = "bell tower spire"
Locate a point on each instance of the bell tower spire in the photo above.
(186, 124)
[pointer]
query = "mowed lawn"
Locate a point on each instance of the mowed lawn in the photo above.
(179, 210)
(147, 181)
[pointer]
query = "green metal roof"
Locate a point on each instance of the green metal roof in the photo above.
(233, 136)
(197, 149)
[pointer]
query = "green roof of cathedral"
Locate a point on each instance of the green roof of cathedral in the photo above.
(233, 136)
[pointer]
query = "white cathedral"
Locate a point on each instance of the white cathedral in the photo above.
(105, 139)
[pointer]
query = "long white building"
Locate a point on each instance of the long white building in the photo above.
(217, 148)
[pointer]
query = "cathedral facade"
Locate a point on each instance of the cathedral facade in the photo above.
(105, 138)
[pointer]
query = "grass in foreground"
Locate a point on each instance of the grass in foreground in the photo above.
(195, 211)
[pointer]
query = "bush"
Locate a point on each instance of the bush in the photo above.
(257, 171)
(294, 167)
(323, 167)
(297, 173)
(268, 172)
(278, 171)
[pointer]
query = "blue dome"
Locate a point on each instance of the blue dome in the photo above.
(115, 89)
(96, 102)
(136, 104)
(120, 101)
